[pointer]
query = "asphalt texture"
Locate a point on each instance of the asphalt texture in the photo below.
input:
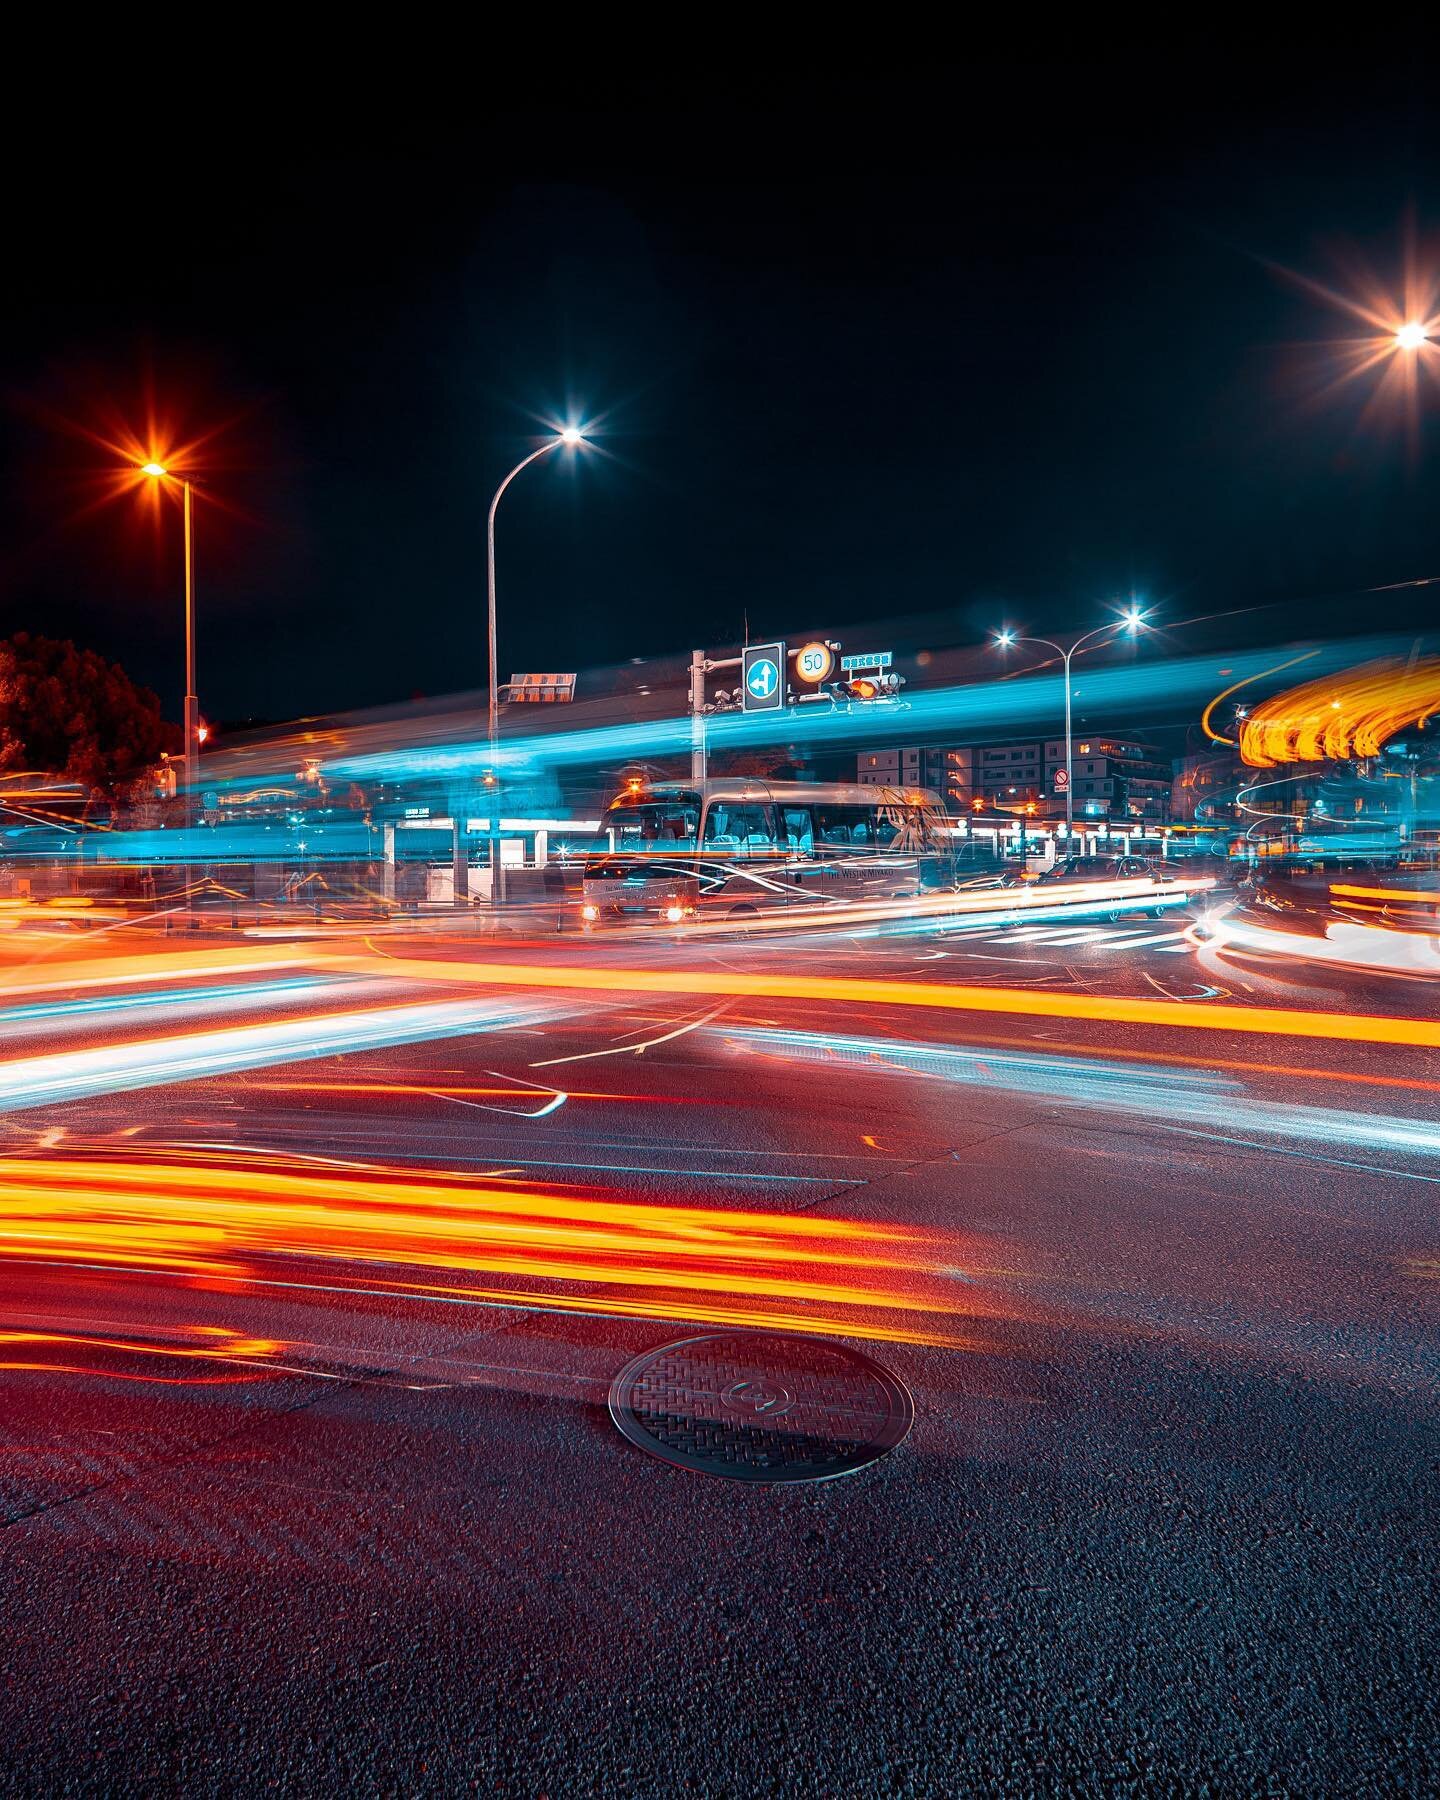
(1165, 1521)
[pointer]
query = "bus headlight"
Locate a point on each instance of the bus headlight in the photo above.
(589, 913)
(674, 914)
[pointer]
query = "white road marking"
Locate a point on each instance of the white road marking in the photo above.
(1157, 937)
(1102, 936)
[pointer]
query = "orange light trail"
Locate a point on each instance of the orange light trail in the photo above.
(220, 1345)
(1364, 1028)
(1341, 717)
(61, 968)
(1368, 893)
(219, 1223)
(1235, 687)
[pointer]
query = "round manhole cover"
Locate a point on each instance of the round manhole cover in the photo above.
(759, 1408)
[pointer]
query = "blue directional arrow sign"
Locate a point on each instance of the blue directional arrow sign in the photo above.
(762, 678)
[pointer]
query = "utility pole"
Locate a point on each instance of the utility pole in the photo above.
(702, 665)
(459, 850)
(698, 666)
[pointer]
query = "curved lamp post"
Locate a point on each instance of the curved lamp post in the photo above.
(570, 437)
(1130, 621)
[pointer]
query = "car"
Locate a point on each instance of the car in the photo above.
(1068, 870)
(1095, 868)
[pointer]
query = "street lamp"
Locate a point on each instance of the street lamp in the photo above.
(1131, 620)
(158, 472)
(1411, 336)
(571, 437)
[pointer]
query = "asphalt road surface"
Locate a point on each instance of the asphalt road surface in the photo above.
(320, 1253)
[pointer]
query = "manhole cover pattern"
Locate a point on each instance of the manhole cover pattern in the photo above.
(760, 1408)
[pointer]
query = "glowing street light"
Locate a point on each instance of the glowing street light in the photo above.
(193, 731)
(1132, 620)
(570, 437)
(1411, 336)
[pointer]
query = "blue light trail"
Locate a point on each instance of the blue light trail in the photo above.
(1167, 1099)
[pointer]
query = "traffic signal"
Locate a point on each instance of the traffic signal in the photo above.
(872, 687)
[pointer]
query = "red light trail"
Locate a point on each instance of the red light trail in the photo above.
(267, 1223)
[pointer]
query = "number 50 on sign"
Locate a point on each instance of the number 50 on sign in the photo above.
(813, 662)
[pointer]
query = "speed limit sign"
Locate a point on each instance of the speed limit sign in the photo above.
(813, 662)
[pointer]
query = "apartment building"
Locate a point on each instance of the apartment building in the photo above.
(1116, 776)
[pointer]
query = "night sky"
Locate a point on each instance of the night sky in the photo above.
(999, 341)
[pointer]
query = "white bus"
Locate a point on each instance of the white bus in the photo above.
(733, 847)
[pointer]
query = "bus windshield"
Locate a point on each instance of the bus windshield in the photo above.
(656, 825)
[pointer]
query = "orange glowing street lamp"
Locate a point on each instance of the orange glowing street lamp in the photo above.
(1411, 336)
(193, 735)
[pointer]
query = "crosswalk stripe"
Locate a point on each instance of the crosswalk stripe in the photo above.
(1046, 934)
(1070, 934)
(1033, 934)
(1156, 937)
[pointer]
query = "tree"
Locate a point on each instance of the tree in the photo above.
(70, 713)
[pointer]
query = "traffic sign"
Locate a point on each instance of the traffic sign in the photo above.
(1062, 780)
(762, 678)
(872, 659)
(813, 662)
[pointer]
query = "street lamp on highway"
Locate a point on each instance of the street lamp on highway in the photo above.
(571, 437)
(158, 472)
(1132, 620)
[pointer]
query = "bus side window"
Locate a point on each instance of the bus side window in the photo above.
(848, 825)
(740, 830)
(799, 830)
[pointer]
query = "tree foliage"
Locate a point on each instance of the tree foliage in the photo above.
(70, 713)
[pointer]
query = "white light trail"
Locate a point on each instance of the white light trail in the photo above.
(199, 1055)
